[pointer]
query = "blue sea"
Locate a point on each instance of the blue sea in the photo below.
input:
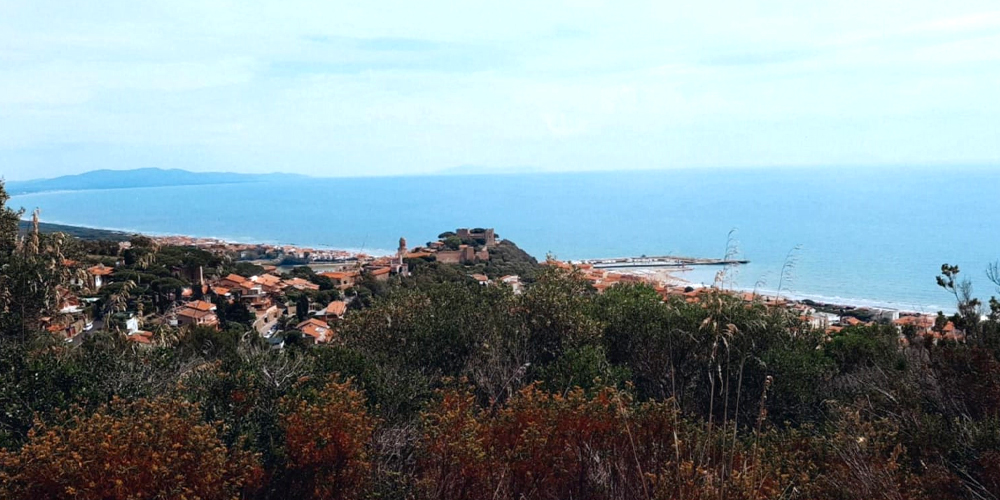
(874, 236)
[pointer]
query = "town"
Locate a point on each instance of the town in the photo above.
(277, 291)
(150, 285)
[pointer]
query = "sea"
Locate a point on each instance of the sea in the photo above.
(860, 236)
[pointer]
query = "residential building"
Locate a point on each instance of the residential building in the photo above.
(334, 311)
(140, 337)
(196, 313)
(98, 274)
(316, 330)
(342, 279)
(232, 282)
(513, 281)
(301, 284)
(921, 325)
(380, 273)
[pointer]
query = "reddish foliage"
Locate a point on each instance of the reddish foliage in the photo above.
(128, 450)
(553, 446)
(989, 462)
(973, 375)
(327, 443)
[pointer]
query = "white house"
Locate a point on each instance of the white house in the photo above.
(132, 324)
(822, 320)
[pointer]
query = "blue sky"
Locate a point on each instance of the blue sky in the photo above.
(386, 88)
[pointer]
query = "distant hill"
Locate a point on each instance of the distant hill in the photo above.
(142, 177)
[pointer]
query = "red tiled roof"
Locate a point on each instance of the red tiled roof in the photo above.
(336, 308)
(100, 270)
(316, 329)
(918, 321)
(141, 337)
(559, 264)
(339, 275)
(189, 312)
(235, 278)
(200, 305)
(268, 280)
(302, 284)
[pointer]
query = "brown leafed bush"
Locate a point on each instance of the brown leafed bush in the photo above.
(550, 446)
(143, 449)
(327, 440)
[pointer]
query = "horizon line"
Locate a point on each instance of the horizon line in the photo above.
(508, 171)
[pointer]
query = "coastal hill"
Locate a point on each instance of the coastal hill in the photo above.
(141, 177)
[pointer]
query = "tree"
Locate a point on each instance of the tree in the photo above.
(452, 242)
(239, 313)
(302, 307)
(969, 307)
(247, 269)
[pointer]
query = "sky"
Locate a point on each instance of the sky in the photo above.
(403, 87)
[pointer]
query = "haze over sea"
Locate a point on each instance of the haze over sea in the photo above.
(866, 236)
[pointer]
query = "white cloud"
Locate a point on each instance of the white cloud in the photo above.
(404, 87)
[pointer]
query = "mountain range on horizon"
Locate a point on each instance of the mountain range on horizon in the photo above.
(158, 177)
(140, 177)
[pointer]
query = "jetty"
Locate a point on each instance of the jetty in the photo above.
(662, 261)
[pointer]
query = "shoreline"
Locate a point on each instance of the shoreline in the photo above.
(674, 277)
(671, 276)
(227, 240)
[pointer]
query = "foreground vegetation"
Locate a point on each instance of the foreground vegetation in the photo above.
(439, 388)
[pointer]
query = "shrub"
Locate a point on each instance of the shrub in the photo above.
(142, 449)
(327, 443)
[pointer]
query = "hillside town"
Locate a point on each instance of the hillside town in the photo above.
(274, 289)
(283, 292)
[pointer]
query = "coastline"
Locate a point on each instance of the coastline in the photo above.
(677, 277)
(229, 240)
